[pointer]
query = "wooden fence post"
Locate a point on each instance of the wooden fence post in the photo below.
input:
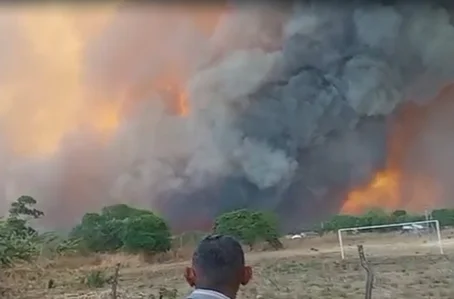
(370, 274)
(115, 281)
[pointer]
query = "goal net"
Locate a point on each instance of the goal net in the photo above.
(399, 238)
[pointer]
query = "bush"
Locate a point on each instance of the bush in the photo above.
(98, 232)
(249, 227)
(444, 216)
(374, 217)
(122, 211)
(146, 233)
(95, 279)
(399, 213)
(18, 241)
(53, 244)
(121, 226)
(341, 221)
(14, 247)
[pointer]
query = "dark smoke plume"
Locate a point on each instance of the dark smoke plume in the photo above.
(315, 124)
(288, 110)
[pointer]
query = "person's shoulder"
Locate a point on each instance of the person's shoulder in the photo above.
(197, 295)
(205, 294)
(192, 296)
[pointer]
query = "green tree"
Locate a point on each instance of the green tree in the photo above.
(249, 227)
(14, 247)
(444, 216)
(146, 233)
(24, 206)
(99, 232)
(20, 212)
(341, 221)
(399, 213)
(410, 218)
(122, 211)
(17, 238)
(108, 230)
(374, 217)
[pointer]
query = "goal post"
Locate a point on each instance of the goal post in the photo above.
(436, 222)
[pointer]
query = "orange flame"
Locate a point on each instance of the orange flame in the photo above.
(393, 190)
(183, 104)
(408, 181)
(382, 191)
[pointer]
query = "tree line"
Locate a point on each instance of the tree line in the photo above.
(124, 228)
(381, 217)
(117, 228)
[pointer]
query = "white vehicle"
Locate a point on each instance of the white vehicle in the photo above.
(412, 228)
(302, 235)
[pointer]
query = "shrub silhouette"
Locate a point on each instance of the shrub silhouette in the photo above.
(250, 227)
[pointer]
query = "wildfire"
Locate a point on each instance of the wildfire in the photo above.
(418, 167)
(43, 96)
(382, 191)
(392, 190)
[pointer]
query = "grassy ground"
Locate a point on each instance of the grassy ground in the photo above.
(405, 267)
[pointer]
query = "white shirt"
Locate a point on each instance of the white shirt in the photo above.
(207, 293)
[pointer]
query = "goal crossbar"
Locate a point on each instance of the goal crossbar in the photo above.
(437, 227)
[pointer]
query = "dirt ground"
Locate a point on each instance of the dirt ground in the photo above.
(404, 267)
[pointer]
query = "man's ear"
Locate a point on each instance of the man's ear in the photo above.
(247, 275)
(189, 275)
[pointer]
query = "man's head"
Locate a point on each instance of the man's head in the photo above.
(218, 264)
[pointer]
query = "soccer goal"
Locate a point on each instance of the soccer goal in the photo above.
(414, 226)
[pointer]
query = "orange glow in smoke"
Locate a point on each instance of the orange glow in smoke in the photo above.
(170, 83)
(44, 98)
(382, 191)
(169, 86)
(406, 182)
(393, 190)
(183, 107)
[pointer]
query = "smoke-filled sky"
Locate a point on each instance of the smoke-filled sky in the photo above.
(193, 111)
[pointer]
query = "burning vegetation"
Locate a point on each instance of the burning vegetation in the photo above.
(414, 176)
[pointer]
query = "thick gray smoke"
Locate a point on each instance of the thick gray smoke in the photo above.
(288, 109)
(306, 122)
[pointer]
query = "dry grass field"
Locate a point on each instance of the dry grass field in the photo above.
(405, 267)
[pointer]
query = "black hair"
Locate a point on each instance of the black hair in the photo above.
(218, 261)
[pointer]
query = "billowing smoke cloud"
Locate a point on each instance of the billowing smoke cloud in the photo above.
(287, 108)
